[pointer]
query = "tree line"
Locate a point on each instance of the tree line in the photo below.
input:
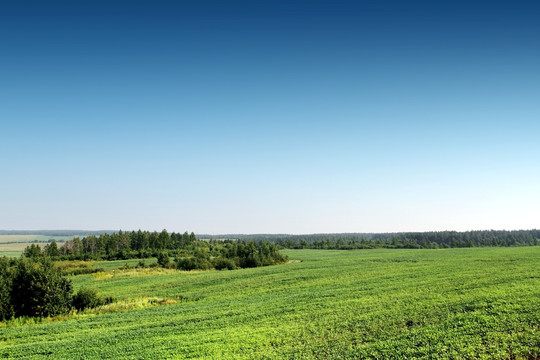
(116, 245)
(188, 252)
(409, 240)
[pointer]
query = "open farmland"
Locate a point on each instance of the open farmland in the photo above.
(10, 239)
(14, 245)
(452, 303)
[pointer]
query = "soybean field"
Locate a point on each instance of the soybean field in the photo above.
(469, 303)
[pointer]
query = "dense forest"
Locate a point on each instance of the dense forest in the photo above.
(189, 252)
(411, 240)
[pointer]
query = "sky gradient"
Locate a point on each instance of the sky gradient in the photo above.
(270, 116)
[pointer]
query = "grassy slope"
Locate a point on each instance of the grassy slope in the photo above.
(455, 303)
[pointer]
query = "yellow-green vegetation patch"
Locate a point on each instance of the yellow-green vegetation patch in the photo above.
(17, 238)
(76, 267)
(125, 304)
(115, 264)
(10, 253)
(141, 272)
(478, 303)
(32, 238)
(16, 246)
(138, 272)
(102, 275)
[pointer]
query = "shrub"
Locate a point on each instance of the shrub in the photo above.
(86, 298)
(89, 298)
(252, 260)
(223, 263)
(194, 263)
(163, 259)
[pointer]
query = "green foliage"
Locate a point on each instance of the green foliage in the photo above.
(36, 287)
(6, 308)
(89, 298)
(411, 240)
(221, 263)
(39, 289)
(190, 253)
(51, 249)
(163, 259)
(193, 263)
(123, 245)
(33, 251)
(230, 255)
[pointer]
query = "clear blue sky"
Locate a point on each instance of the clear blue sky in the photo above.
(270, 116)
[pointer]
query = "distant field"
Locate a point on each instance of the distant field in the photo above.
(476, 303)
(10, 253)
(16, 238)
(14, 245)
(32, 238)
(19, 246)
(21, 238)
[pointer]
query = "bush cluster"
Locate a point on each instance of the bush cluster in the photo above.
(38, 289)
(89, 298)
(229, 255)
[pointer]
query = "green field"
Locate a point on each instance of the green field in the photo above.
(382, 304)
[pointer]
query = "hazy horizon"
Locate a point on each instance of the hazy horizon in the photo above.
(83, 231)
(289, 117)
